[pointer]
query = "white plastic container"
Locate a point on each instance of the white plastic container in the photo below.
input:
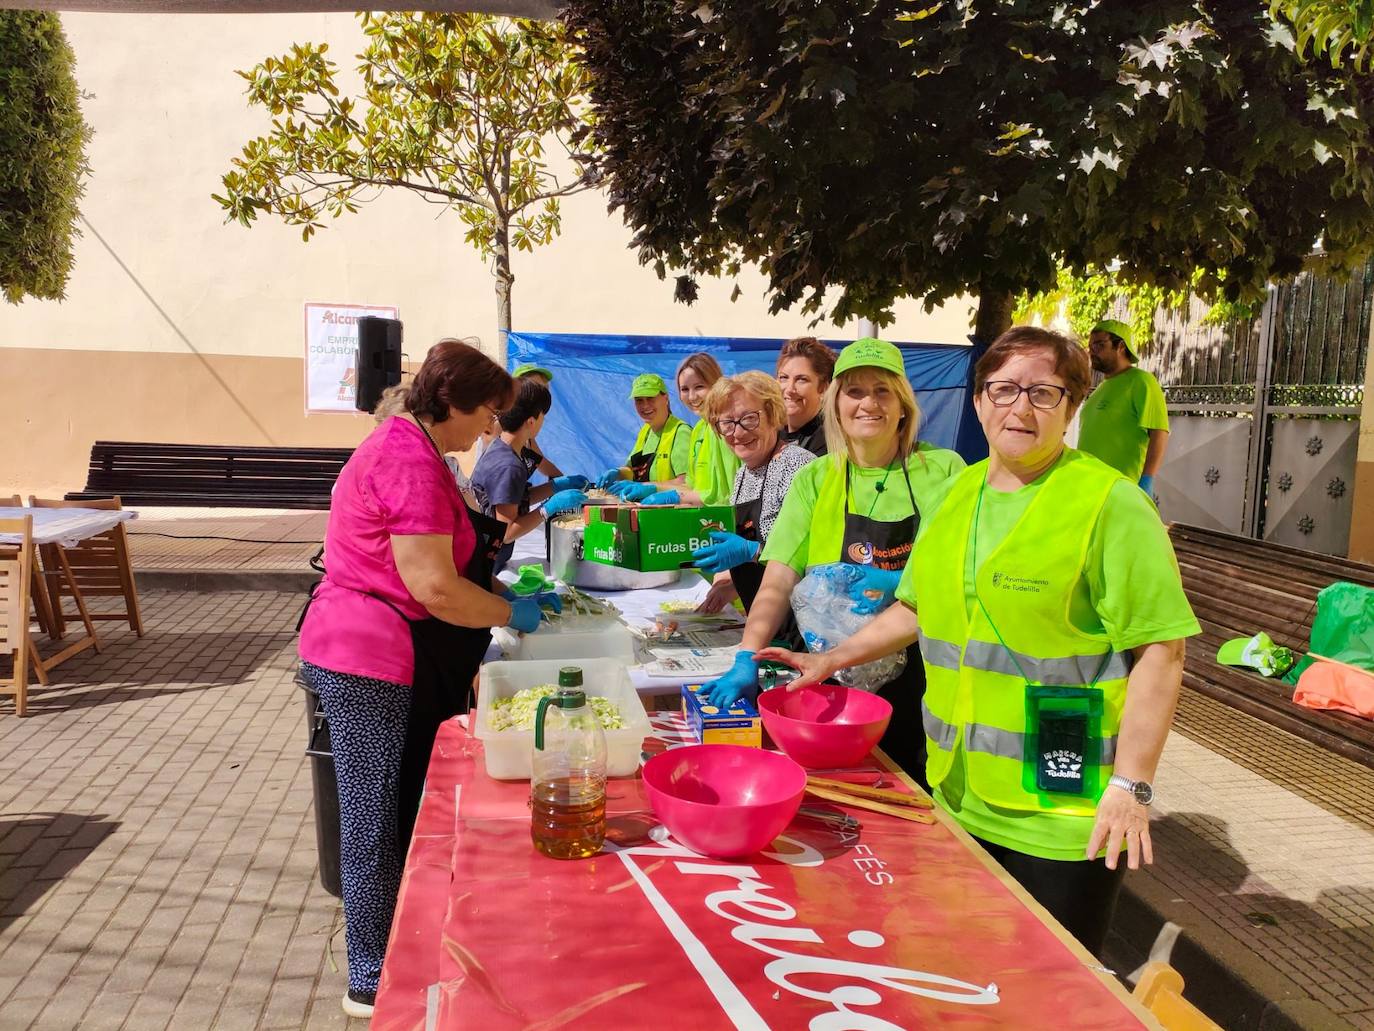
(508, 752)
(584, 638)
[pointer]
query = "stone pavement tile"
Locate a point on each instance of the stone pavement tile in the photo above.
(1264, 834)
(288, 1004)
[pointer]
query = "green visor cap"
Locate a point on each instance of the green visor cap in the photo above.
(1259, 653)
(1117, 328)
(870, 352)
(648, 385)
(525, 370)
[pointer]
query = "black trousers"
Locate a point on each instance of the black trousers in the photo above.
(904, 741)
(1081, 895)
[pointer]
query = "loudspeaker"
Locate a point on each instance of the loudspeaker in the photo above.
(379, 359)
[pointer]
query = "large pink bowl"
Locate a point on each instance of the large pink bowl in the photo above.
(824, 726)
(724, 800)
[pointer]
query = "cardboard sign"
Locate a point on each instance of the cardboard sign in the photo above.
(892, 925)
(331, 353)
(651, 539)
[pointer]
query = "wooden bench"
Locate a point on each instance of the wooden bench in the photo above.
(212, 475)
(1239, 586)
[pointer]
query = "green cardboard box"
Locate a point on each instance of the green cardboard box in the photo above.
(651, 539)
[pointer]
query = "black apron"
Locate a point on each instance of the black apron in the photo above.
(811, 436)
(748, 578)
(447, 659)
(639, 464)
(888, 546)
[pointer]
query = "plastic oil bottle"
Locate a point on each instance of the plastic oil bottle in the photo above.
(568, 783)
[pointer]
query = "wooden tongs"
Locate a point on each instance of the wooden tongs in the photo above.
(915, 808)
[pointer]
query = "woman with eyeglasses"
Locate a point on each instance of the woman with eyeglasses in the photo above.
(749, 414)
(396, 630)
(861, 505)
(1048, 606)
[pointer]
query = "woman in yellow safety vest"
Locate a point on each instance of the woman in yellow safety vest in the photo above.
(711, 465)
(859, 507)
(1047, 602)
(660, 451)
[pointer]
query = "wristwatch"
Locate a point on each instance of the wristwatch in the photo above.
(1139, 789)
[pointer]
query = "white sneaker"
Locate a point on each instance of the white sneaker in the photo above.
(359, 1004)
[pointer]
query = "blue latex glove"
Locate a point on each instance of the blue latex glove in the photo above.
(562, 483)
(629, 490)
(874, 590)
(509, 595)
(548, 600)
(1147, 484)
(726, 551)
(663, 497)
(564, 501)
(741, 682)
(525, 615)
(609, 477)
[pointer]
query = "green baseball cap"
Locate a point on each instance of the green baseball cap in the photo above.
(648, 385)
(870, 352)
(1117, 328)
(1258, 652)
(526, 369)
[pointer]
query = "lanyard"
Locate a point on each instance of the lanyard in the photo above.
(879, 489)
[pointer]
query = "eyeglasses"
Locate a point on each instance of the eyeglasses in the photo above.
(1045, 396)
(747, 422)
(493, 414)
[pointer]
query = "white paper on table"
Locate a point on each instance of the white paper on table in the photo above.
(694, 653)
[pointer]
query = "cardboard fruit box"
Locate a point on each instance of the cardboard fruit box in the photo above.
(651, 539)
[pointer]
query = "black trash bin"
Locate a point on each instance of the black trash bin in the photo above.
(326, 786)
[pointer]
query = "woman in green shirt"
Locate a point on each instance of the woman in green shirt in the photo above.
(711, 465)
(660, 452)
(861, 505)
(1048, 605)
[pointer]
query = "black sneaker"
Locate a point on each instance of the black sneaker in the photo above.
(359, 1004)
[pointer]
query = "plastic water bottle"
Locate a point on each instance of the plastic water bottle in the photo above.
(568, 784)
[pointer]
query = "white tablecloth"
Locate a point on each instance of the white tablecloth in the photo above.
(638, 607)
(65, 526)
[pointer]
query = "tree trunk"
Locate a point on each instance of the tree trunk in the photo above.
(505, 279)
(994, 315)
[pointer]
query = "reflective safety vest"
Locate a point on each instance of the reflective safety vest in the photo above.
(1036, 701)
(711, 465)
(661, 468)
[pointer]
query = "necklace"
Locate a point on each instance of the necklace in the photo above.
(434, 442)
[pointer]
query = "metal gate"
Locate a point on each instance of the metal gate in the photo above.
(1264, 414)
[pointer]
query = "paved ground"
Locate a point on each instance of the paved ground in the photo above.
(157, 853)
(157, 850)
(1270, 839)
(224, 539)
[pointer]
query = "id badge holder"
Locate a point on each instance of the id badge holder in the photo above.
(1063, 748)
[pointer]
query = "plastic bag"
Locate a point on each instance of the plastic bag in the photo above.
(822, 604)
(1343, 628)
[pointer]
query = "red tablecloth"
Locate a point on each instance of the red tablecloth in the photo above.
(896, 925)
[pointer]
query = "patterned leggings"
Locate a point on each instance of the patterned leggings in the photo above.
(367, 730)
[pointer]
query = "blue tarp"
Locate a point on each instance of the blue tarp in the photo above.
(593, 423)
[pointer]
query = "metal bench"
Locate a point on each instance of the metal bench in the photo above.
(1239, 586)
(218, 476)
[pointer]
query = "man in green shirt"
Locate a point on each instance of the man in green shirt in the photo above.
(1124, 421)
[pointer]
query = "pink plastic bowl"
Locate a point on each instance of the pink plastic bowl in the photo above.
(724, 800)
(824, 726)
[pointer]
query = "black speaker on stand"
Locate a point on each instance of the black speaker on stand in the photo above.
(379, 359)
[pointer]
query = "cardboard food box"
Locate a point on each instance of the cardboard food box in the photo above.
(738, 725)
(652, 539)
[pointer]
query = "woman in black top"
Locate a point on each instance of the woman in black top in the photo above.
(805, 367)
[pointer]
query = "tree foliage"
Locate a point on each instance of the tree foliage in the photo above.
(1338, 29)
(42, 155)
(457, 108)
(861, 151)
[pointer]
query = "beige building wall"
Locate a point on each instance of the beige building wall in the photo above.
(178, 327)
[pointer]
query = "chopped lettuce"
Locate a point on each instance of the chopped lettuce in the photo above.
(518, 711)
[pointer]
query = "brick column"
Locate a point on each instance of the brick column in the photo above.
(1362, 519)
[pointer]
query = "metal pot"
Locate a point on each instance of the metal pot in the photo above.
(567, 564)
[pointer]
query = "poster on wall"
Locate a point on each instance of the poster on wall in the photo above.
(331, 353)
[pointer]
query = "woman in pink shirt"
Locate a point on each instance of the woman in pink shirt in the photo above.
(405, 608)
